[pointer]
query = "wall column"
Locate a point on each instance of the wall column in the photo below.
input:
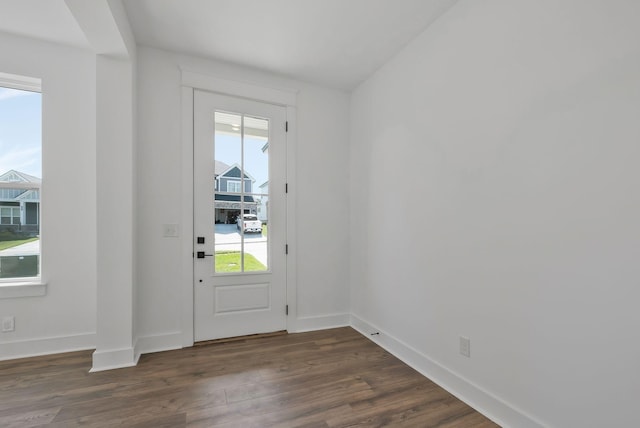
(115, 212)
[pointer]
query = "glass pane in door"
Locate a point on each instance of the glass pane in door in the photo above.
(227, 196)
(241, 193)
(256, 165)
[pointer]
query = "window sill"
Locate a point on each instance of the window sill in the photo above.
(12, 290)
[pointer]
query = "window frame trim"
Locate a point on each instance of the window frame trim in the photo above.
(235, 182)
(34, 286)
(31, 287)
(22, 83)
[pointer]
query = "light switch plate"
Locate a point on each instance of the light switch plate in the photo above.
(171, 230)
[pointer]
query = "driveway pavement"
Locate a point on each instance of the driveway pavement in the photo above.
(228, 239)
(28, 249)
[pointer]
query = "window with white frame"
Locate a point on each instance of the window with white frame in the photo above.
(10, 215)
(233, 186)
(20, 177)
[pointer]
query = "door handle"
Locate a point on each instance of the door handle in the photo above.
(202, 255)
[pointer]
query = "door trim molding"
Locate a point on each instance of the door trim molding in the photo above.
(292, 240)
(186, 246)
(283, 97)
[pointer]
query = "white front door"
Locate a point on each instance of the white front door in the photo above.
(239, 217)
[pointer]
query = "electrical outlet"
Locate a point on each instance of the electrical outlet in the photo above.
(465, 346)
(8, 324)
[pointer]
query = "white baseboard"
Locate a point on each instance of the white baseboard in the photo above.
(113, 359)
(158, 343)
(321, 322)
(492, 407)
(47, 346)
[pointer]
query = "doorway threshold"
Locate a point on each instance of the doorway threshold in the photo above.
(241, 338)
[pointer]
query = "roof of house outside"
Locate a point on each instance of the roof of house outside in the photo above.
(13, 176)
(13, 179)
(220, 167)
(234, 198)
(18, 186)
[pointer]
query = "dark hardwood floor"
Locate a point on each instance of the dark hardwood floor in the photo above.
(330, 378)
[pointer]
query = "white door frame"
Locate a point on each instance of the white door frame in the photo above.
(286, 98)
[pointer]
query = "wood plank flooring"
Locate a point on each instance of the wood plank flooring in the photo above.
(330, 378)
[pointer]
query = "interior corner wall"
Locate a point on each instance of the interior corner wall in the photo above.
(65, 318)
(136, 246)
(494, 195)
(321, 190)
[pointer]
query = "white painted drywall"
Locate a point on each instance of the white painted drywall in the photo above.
(321, 186)
(107, 29)
(494, 195)
(115, 189)
(64, 319)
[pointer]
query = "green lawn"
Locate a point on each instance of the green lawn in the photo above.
(264, 230)
(9, 244)
(229, 261)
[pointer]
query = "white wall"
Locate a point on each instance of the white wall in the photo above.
(64, 319)
(321, 185)
(519, 123)
(116, 232)
(322, 211)
(107, 30)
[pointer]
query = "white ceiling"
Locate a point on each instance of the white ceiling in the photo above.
(48, 20)
(335, 43)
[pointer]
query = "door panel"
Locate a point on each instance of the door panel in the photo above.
(242, 298)
(239, 216)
